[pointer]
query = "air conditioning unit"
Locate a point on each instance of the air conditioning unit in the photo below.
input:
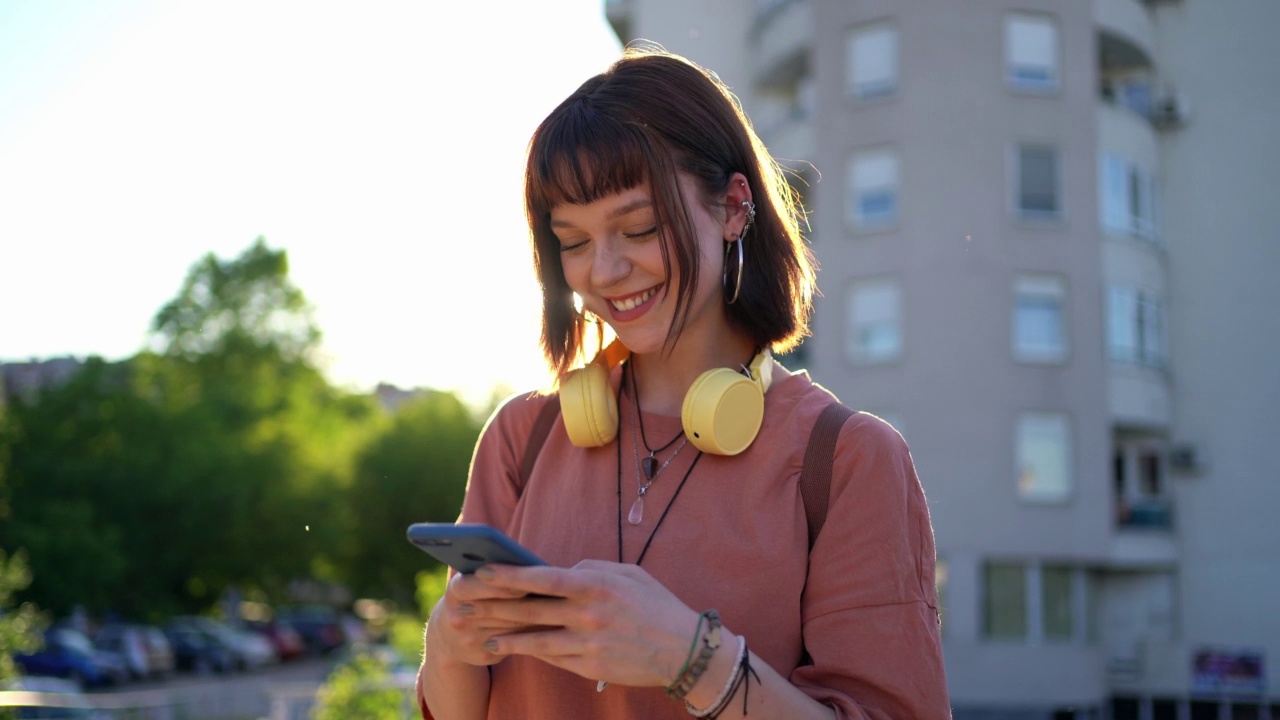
(1169, 111)
(1185, 458)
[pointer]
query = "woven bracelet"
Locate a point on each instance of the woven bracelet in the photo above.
(688, 677)
(726, 693)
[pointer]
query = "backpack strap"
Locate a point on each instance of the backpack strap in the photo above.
(537, 437)
(815, 474)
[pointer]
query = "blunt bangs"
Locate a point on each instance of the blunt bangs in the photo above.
(583, 155)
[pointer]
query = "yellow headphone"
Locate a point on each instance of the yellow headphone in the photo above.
(721, 413)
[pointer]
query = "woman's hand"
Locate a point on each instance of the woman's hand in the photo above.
(601, 620)
(458, 632)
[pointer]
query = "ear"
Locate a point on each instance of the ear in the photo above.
(735, 217)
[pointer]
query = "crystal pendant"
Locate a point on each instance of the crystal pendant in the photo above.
(650, 466)
(637, 511)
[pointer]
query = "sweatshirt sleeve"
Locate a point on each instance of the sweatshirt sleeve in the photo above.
(870, 607)
(493, 483)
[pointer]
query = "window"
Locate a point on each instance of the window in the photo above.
(1138, 480)
(1136, 327)
(1044, 457)
(1035, 602)
(1038, 325)
(873, 188)
(1037, 182)
(871, 56)
(1057, 602)
(874, 330)
(1128, 197)
(1005, 601)
(1031, 52)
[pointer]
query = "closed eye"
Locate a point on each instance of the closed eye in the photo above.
(642, 234)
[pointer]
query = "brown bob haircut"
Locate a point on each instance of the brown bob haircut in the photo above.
(650, 115)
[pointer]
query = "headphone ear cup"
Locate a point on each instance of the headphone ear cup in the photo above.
(588, 407)
(722, 412)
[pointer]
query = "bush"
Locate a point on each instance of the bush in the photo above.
(361, 690)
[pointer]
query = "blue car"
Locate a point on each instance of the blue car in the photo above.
(67, 653)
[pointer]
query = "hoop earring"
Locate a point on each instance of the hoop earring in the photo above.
(732, 298)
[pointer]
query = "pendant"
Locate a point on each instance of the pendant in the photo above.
(650, 466)
(637, 511)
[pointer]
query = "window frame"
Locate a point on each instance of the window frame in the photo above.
(875, 89)
(1078, 596)
(1035, 216)
(855, 352)
(1051, 286)
(1035, 493)
(855, 219)
(1011, 66)
(1141, 317)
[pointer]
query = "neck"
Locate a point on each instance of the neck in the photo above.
(664, 379)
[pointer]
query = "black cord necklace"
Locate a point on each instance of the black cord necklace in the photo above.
(649, 464)
(670, 502)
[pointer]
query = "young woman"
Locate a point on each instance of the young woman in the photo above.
(665, 496)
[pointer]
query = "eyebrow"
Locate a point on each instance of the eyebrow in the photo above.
(613, 214)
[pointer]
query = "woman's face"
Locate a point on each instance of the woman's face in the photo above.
(612, 258)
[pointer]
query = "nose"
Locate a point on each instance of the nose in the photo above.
(610, 264)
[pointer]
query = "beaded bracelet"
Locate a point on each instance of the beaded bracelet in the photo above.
(689, 675)
(726, 693)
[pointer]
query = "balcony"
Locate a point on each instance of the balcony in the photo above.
(1150, 513)
(1128, 34)
(782, 38)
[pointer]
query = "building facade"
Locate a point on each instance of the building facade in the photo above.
(1048, 254)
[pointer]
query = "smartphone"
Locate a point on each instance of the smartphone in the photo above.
(467, 546)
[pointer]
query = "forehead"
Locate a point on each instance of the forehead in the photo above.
(615, 206)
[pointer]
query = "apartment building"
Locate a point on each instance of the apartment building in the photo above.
(1050, 253)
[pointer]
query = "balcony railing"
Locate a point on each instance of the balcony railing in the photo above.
(1145, 514)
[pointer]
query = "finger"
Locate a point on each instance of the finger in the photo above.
(541, 580)
(469, 588)
(529, 611)
(545, 643)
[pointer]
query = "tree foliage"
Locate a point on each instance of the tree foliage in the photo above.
(222, 457)
(20, 628)
(420, 464)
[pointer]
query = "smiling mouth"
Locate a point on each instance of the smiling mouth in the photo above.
(633, 302)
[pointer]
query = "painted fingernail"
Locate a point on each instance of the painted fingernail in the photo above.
(485, 573)
(467, 609)
(491, 645)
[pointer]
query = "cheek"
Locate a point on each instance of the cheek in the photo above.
(576, 272)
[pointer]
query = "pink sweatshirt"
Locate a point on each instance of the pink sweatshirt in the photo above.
(863, 602)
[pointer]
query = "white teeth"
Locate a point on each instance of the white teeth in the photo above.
(632, 303)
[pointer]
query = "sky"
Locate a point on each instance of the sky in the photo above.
(380, 143)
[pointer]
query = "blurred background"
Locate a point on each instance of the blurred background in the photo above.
(266, 274)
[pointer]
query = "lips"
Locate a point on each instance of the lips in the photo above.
(632, 306)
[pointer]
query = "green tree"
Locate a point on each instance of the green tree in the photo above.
(20, 629)
(416, 471)
(219, 459)
(269, 443)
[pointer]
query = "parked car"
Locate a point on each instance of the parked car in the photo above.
(283, 637)
(194, 651)
(67, 653)
(145, 649)
(128, 642)
(319, 626)
(247, 650)
(159, 652)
